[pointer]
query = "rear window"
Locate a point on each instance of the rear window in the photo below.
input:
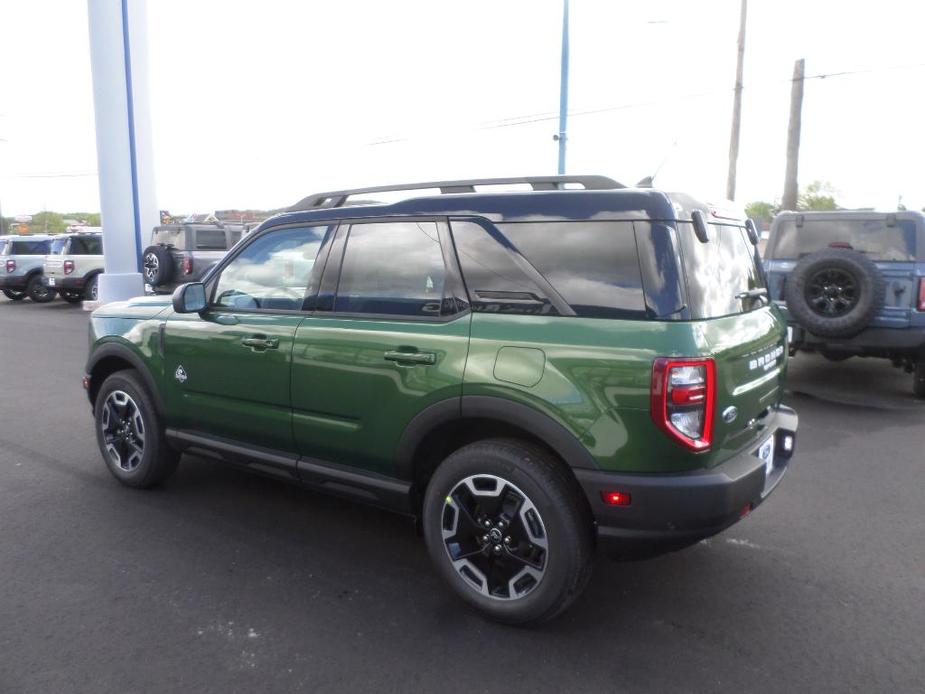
(873, 238)
(594, 266)
(718, 270)
(86, 245)
(28, 248)
(211, 240)
(169, 237)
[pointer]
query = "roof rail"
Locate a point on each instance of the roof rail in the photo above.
(339, 198)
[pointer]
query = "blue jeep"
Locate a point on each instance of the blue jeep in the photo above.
(852, 284)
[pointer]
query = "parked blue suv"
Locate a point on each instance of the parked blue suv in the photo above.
(852, 284)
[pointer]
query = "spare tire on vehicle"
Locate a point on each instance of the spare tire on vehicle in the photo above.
(157, 265)
(835, 292)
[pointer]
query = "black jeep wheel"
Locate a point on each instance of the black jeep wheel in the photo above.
(91, 288)
(38, 292)
(157, 265)
(918, 377)
(130, 434)
(835, 292)
(72, 297)
(508, 530)
(14, 295)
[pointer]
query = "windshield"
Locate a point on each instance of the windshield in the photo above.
(719, 271)
(871, 237)
(57, 246)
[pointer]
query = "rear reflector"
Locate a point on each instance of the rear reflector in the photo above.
(682, 397)
(616, 498)
(921, 304)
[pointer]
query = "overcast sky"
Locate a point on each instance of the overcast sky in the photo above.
(259, 104)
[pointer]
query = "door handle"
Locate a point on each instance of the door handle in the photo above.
(411, 357)
(261, 343)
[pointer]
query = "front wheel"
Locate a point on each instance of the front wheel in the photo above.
(508, 530)
(130, 434)
(38, 292)
(91, 288)
(14, 295)
(72, 297)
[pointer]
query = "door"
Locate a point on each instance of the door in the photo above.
(391, 340)
(228, 368)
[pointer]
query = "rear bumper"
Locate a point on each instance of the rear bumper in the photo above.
(688, 506)
(17, 282)
(65, 283)
(871, 341)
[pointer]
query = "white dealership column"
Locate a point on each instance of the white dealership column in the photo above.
(118, 59)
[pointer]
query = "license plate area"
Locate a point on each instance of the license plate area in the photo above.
(51, 281)
(765, 453)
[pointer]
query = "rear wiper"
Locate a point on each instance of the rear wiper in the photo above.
(760, 293)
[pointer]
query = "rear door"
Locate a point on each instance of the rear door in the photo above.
(387, 340)
(746, 337)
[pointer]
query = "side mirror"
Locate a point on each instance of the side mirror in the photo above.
(700, 226)
(752, 230)
(189, 297)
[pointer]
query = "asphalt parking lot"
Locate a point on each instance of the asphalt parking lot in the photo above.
(225, 582)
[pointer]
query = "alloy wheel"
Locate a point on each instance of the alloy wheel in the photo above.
(832, 292)
(495, 537)
(123, 430)
(151, 267)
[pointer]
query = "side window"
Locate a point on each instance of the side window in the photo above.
(493, 278)
(273, 272)
(210, 240)
(392, 268)
(593, 265)
(94, 245)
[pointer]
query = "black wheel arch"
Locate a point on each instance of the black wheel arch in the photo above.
(111, 357)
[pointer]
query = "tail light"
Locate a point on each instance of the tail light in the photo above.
(68, 267)
(10, 265)
(682, 398)
(187, 265)
(921, 303)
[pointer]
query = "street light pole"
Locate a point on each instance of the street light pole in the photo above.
(563, 90)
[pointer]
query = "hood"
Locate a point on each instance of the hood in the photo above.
(136, 307)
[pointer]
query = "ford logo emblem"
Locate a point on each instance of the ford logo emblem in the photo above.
(730, 414)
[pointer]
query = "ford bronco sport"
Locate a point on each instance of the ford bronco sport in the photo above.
(21, 260)
(852, 284)
(74, 266)
(528, 373)
(186, 252)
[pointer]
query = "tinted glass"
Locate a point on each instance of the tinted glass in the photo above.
(719, 270)
(211, 240)
(86, 245)
(5, 246)
(593, 265)
(58, 245)
(392, 268)
(495, 281)
(873, 238)
(273, 272)
(29, 248)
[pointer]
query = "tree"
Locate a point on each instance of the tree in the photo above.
(817, 196)
(760, 209)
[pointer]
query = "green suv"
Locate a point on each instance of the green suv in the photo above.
(529, 373)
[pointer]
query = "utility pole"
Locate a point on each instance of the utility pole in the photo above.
(736, 108)
(563, 90)
(789, 201)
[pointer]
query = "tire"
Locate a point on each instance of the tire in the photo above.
(482, 482)
(157, 265)
(91, 288)
(38, 292)
(72, 297)
(918, 377)
(123, 396)
(14, 295)
(835, 292)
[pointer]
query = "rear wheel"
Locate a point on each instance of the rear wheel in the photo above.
(508, 530)
(72, 297)
(130, 434)
(14, 295)
(918, 377)
(91, 288)
(38, 292)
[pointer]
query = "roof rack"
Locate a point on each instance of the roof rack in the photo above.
(339, 198)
